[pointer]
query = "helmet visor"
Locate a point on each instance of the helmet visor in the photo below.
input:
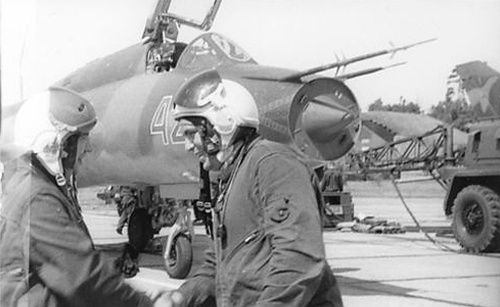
(211, 94)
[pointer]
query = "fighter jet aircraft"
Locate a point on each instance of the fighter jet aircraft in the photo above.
(138, 143)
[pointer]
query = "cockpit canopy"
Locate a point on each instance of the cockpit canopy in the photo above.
(211, 50)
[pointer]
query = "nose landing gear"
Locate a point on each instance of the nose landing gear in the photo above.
(178, 252)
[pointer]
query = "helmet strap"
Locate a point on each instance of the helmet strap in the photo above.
(68, 154)
(211, 139)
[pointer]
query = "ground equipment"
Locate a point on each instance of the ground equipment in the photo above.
(470, 175)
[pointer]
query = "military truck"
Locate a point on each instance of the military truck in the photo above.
(473, 194)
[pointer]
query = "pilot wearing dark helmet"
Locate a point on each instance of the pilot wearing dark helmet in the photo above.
(268, 248)
(47, 257)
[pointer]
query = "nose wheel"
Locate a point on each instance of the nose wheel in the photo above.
(179, 258)
(178, 251)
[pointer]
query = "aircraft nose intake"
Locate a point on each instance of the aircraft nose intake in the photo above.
(329, 123)
(323, 118)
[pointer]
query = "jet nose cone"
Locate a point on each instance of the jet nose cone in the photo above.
(329, 123)
(332, 130)
(324, 118)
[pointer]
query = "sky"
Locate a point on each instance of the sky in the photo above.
(44, 40)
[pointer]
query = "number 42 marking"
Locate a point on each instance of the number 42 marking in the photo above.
(159, 123)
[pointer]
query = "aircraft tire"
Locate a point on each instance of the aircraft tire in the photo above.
(179, 262)
(140, 229)
(476, 219)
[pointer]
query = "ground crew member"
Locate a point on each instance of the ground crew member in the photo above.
(268, 247)
(126, 203)
(47, 255)
(332, 180)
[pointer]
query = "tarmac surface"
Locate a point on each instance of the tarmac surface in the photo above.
(372, 269)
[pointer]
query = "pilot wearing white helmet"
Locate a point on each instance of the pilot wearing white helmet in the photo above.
(47, 255)
(204, 104)
(268, 248)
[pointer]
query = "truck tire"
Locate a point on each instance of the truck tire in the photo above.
(140, 229)
(476, 219)
(178, 263)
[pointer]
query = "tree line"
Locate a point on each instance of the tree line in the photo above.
(455, 112)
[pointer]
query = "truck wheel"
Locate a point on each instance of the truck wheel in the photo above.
(140, 230)
(178, 262)
(476, 219)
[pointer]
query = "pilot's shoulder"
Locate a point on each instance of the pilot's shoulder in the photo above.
(264, 148)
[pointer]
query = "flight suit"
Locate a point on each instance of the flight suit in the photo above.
(268, 248)
(47, 255)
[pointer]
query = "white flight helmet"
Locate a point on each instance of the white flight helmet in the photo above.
(45, 121)
(226, 104)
